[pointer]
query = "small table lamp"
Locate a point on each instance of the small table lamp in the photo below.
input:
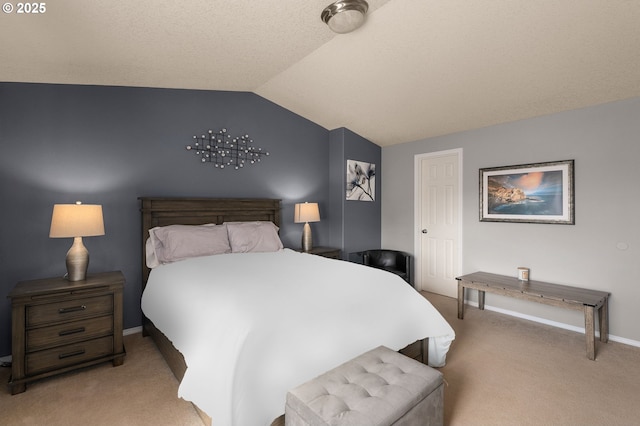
(76, 220)
(306, 212)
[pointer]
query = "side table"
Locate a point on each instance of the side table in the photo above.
(60, 325)
(330, 252)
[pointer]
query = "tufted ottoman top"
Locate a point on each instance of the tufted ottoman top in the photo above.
(375, 388)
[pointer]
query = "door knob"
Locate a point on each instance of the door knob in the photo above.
(424, 231)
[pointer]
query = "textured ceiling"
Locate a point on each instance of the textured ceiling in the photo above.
(416, 69)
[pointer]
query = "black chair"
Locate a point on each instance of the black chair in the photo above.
(394, 261)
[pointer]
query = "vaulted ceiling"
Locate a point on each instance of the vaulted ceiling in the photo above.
(416, 69)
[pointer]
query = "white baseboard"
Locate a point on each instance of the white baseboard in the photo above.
(553, 323)
(133, 330)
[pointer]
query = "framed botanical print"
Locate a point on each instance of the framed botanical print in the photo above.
(361, 181)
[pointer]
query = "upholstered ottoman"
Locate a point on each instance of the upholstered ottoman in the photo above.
(378, 388)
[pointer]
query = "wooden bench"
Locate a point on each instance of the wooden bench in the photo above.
(580, 299)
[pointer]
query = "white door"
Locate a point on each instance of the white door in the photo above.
(438, 221)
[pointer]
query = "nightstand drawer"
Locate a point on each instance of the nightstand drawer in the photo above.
(63, 334)
(68, 310)
(52, 359)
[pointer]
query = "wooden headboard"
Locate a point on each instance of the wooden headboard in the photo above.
(198, 211)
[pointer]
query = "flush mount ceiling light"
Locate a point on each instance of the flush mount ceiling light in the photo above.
(345, 16)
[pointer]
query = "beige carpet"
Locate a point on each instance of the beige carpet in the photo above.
(142, 391)
(503, 370)
(500, 371)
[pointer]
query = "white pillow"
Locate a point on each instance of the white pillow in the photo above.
(251, 237)
(176, 242)
(150, 250)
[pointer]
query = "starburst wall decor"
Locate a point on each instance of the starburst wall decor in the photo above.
(224, 151)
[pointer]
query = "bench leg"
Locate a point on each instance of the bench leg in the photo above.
(481, 300)
(590, 331)
(603, 320)
(460, 300)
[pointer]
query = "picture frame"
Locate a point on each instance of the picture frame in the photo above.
(361, 181)
(528, 193)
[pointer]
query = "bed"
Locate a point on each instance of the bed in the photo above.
(261, 336)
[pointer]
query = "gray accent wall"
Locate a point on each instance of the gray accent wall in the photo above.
(601, 251)
(111, 145)
(359, 225)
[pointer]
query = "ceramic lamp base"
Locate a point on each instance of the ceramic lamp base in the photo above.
(307, 241)
(77, 261)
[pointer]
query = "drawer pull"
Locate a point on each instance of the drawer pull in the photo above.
(72, 309)
(70, 354)
(72, 331)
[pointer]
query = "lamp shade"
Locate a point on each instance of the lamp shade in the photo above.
(76, 220)
(306, 212)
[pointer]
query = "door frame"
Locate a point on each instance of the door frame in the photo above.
(417, 214)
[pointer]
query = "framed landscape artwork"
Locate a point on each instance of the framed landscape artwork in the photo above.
(529, 193)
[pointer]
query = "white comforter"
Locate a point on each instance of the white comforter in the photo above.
(252, 326)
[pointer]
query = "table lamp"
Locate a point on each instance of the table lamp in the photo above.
(305, 213)
(76, 221)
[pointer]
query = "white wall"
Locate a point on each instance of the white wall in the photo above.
(604, 141)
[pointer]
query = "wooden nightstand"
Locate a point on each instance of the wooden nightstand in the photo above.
(59, 326)
(330, 252)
